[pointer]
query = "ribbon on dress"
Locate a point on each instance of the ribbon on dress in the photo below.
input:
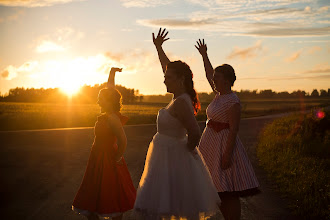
(217, 126)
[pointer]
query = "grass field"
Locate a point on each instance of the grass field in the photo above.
(22, 116)
(295, 152)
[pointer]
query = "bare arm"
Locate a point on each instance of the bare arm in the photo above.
(119, 132)
(234, 120)
(112, 74)
(158, 41)
(187, 118)
(202, 48)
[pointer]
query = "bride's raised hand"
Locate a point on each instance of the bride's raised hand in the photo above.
(201, 47)
(161, 37)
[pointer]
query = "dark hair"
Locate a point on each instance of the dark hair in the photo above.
(227, 71)
(182, 69)
(113, 97)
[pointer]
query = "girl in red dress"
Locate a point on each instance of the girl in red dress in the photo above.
(107, 189)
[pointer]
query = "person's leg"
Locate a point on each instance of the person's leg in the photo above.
(230, 206)
(234, 208)
(118, 217)
(224, 204)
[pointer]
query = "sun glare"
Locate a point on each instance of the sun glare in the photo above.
(70, 75)
(71, 84)
(70, 90)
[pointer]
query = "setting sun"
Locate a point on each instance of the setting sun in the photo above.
(70, 90)
(71, 74)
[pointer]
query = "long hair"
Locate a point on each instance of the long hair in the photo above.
(113, 98)
(182, 69)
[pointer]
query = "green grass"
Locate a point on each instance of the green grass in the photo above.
(21, 116)
(295, 152)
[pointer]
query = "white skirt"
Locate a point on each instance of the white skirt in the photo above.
(175, 183)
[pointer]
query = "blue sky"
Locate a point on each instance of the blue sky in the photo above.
(282, 45)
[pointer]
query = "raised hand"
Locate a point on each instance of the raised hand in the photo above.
(115, 69)
(201, 47)
(161, 37)
(111, 79)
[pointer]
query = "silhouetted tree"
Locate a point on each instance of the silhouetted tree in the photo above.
(268, 93)
(315, 93)
(323, 93)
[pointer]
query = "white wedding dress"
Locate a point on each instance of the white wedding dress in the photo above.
(175, 183)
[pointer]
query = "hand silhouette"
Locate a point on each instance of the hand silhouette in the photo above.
(116, 69)
(160, 39)
(201, 47)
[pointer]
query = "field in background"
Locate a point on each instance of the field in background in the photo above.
(21, 116)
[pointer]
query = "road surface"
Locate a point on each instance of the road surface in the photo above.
(41, 171)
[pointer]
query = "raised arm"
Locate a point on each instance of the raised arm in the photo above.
(158, 41)
(202, 48)
(112, 74)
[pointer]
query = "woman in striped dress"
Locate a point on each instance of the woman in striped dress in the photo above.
(223, 152)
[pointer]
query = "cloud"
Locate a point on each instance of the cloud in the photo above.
(290, 32)
(324, 70)
(274, 18)
(11, 72)
(5, 74)
(48, 46)
(145, 3)
(58, 41)
(306, 51)
(313, 50)
(114, 56)
(13, 17)
(323, 9)
(34, 3)
(294, 56)
(174, 23)
(245, 53)
(317, 77)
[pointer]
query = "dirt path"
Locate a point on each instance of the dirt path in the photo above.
(41, 171)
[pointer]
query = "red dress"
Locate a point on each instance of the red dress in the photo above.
(107, 188)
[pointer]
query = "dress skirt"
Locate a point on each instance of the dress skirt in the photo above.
(175, 182)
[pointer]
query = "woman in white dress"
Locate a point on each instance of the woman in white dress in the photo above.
(175, 183)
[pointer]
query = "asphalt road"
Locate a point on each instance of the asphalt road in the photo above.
(41, 171)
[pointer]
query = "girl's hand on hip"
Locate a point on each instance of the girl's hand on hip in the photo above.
(226, 161)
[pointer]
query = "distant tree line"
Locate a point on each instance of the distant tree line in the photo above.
(88, 94)
(246, 94)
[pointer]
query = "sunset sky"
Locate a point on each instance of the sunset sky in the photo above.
(283, 45)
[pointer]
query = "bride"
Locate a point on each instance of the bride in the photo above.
(175, 183)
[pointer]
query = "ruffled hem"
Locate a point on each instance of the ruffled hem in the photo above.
(104, 215)
(148, 215)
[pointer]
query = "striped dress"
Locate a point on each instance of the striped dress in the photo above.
(240, 177)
